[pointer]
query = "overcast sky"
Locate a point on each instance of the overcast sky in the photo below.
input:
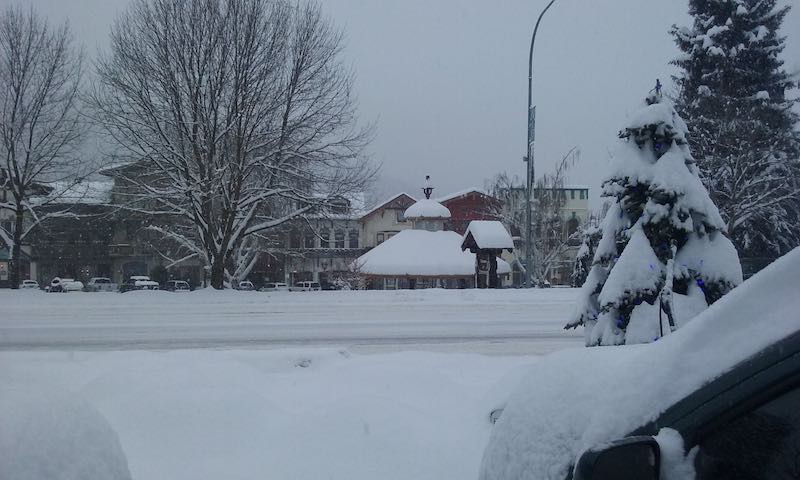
(446, 80)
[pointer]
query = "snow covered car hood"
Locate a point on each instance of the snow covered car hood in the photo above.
(578, 398)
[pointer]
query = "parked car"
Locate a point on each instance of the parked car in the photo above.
(275, 287)
(64, 285)
(717, 399)
(177, 286)
(138, 282)
(305, 287)
(29, 284)
(246, 285)
(100, 284)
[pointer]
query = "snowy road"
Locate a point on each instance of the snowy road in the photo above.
(504, 321)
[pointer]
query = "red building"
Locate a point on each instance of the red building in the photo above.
(468, 205)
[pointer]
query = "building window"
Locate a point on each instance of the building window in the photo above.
(309, 240)
(572, 224)
(339, 236)
(583, 194)
(572, 194)
(401, 216)
(294, 240)
(325, 239)
(379, 238)
(353, 238)
(130, 229)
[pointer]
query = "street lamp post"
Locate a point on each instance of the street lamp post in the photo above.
(529, 254)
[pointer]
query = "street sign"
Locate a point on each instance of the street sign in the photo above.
(532, 124)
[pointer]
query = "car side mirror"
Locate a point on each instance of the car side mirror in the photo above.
(634, 458)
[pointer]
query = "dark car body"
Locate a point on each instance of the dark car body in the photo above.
(726, 419)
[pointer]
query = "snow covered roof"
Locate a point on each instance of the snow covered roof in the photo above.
(570, 401)
(489, 234)
(380, 205)
(96, 192)
(113, 167)
(422, 253)
(427, 208)
(461, 193)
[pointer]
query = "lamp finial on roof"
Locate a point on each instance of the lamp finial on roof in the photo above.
(427, 189)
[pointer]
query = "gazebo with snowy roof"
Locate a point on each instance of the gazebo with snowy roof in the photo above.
(427, 214)
(426, 256)
(487, 239)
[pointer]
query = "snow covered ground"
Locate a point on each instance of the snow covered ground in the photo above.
(241, 385)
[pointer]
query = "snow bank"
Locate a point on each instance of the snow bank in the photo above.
(489, 234)
(422, 253)
(427, 208)
(255, 414)
(46, 435)
(575, 399)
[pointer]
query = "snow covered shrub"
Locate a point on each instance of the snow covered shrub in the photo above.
(590, 237)
(663, 256)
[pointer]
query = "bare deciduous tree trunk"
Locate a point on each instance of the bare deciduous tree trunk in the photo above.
(39, 123)
(550, 240)
(238, 115)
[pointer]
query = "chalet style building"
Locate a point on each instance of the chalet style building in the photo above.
(428, 255)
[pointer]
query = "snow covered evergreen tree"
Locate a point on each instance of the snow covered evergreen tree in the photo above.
(733, 93)
(663, 256)
(590, 237)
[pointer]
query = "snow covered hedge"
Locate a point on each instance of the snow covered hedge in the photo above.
(663, 256)
(53, 435)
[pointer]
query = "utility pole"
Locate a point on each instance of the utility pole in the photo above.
(529, 243)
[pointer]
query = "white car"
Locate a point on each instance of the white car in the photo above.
(305, 287)
(63, 285)
(26, 284)
(246, 285)
(101, 284)
(138, 282)
(275, 287)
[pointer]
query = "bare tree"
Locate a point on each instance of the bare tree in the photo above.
(551, 239)
(40, 128)
(237, 115)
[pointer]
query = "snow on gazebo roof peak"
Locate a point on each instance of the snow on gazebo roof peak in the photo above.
(489, 234)
(427, 207)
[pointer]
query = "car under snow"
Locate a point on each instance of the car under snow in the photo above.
(716, 399)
